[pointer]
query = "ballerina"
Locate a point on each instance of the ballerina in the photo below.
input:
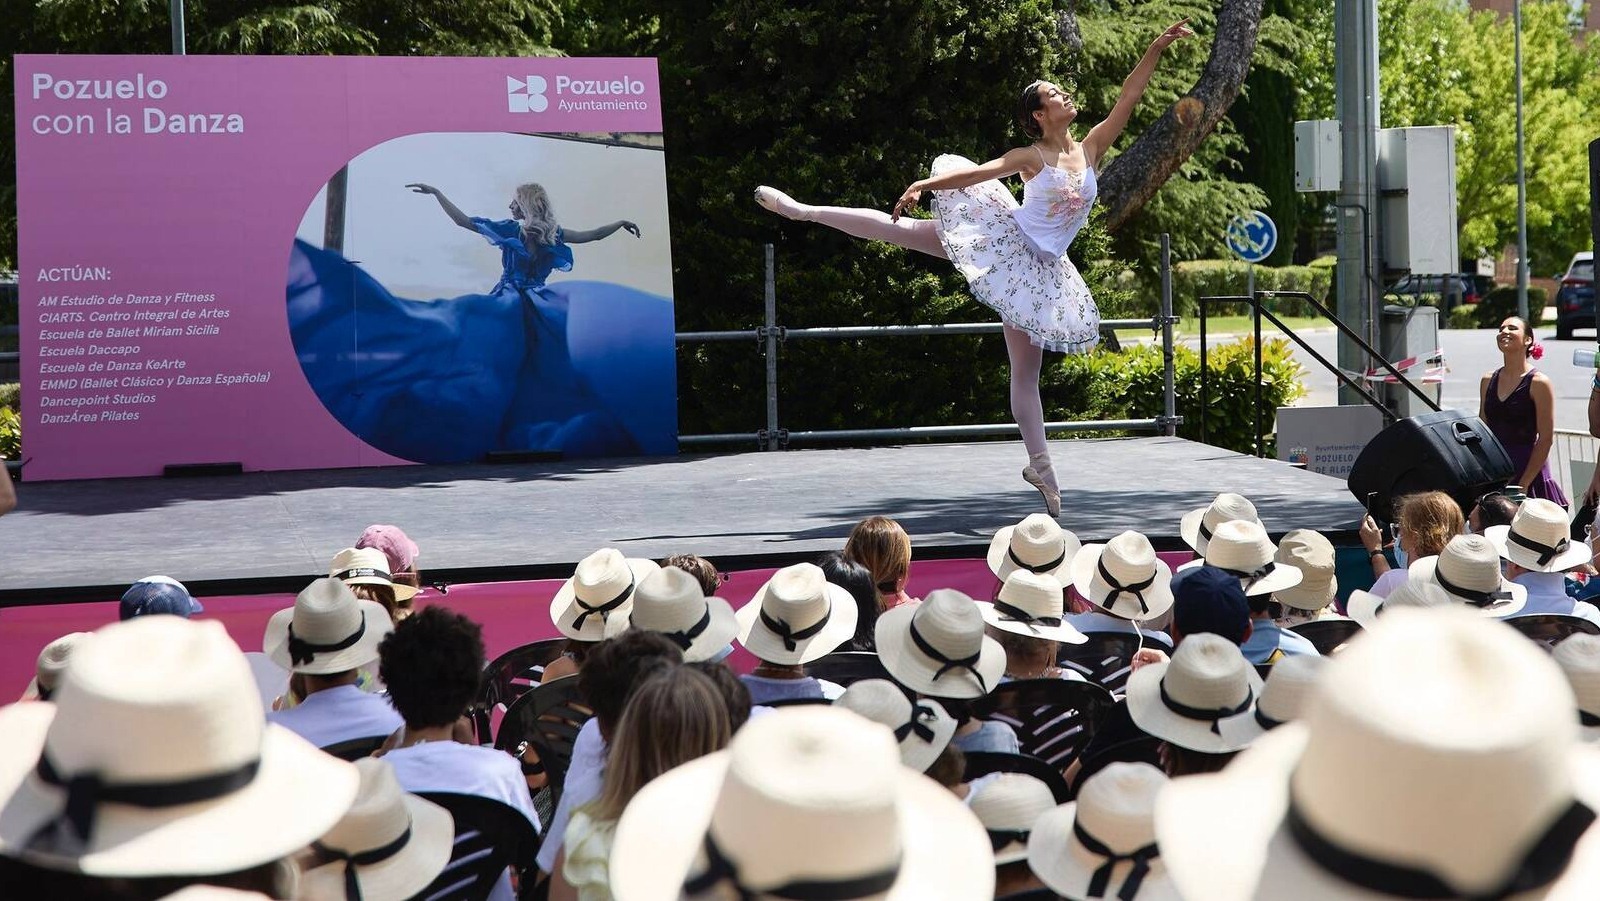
(1014, 257)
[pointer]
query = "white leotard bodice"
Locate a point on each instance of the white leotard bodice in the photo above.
(1055, 204)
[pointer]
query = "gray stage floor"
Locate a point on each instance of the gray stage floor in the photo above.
(269, 531)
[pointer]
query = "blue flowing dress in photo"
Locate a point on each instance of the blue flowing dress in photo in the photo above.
(581, 367)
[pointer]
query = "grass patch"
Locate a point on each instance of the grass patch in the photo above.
(1231, 325)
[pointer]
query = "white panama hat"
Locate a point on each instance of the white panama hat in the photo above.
(1038, 544)
(1538, 538)
(328, 630)
(1241, 548)
(670, 602)
(1203, 699)
(368, 566)
(1312, 554)
(797, 617)
(1103, 845)
(1578, 655)
(390, 844)
(156, 759)
(1031, 605)
(1472, 780)
(1468, 569)
(1290, 683)
(922, 727)
(1008, 807)
(1197, 526)
(53, 660)
(806, 795)
(1124, 577)
(601, 587)
(1364, 607)
(937, 648)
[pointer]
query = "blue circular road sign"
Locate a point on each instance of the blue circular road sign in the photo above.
(1252, 236)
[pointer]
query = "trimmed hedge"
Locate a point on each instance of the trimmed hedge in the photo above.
(1210, 278)
(1502, 302)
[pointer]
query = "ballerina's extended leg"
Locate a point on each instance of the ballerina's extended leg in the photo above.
(1028, 410)
(874, 225)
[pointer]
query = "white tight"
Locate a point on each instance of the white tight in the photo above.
(874, 225)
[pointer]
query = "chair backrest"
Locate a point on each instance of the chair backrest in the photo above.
(354, 749)
(490, 836)
(795, 702)
(1327, 635)
(846, 667)
(508, 677)
(1105, 659)
(982, 763)
(546, 719)
(1038, 894)
(1144, 749)
(1053, 718)
(1550, 628)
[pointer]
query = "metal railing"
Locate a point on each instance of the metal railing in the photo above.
(1573, 456)
(771, 335)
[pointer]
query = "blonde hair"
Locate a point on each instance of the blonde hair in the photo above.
(538, 217)
(879, 544)
(1431, 518)
(676, 716)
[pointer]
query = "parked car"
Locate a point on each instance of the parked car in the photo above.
(1443, 291)
(1575, 297)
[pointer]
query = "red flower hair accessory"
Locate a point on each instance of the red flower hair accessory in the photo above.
(1536, 350)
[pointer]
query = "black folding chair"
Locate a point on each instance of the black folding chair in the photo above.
(1105, 659)
(1550, 629)
(546, 720)
(1053, 718)
(1038, 894)
(1327, 635)
(982, 763)
(508, 677)
(354, 749)
(796, 702)
(490, 837)
(1143, 749)
(846, 667)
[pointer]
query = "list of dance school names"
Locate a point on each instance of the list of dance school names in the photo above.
(112, 356)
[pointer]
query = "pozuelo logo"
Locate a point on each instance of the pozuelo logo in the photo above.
(526, 95)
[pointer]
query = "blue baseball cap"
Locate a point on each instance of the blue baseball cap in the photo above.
(158, 594)
(1210, 600)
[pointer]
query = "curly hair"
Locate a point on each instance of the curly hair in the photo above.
(1431, 518)
(703, 570)
(432, 663)
(616, 666)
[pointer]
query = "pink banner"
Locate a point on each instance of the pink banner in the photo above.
(159, 203)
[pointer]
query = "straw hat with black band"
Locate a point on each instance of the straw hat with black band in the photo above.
(1197, 526)
(1038, 544)
(1103, 845)
(937, 648)
(601, 587)
(1537, 539)
(328, 630)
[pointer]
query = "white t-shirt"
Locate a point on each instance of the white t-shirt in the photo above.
(1388, 582)
(334, 715)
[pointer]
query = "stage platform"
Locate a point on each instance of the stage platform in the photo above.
(270, 532)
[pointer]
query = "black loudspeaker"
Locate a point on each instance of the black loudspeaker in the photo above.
(1447, 451)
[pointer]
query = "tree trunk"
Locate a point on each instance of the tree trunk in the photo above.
(1135, 175)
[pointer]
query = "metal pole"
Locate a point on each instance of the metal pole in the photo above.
(772, 350)
(1255, 309)
(1169, 395)
(1205, 382)
(1356, 102)
(1522, 177)
(176, 7)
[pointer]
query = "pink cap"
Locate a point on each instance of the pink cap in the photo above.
(401, 550)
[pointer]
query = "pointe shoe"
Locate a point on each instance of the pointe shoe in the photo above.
(778, 202)
(1052, 496)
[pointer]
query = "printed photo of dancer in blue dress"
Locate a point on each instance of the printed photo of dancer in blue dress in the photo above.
(585, 368)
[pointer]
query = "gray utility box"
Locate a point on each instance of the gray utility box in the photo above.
(1417, 190)
(1409, 332)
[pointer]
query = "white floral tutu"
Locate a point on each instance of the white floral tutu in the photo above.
(1043, 296)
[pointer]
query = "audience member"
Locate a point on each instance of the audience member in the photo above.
(1103, 845)
(672, 718)
(366, 572)
(922, 728)
(1538, 554)
(673, 604)
(1313, 598)
(809, 802)
(797, 617)
(1027, 620)
(1468, 569)
(153, 710)
(938, 649)
(1471, 782)
(1289, 685)
(1197, 526)
(8, 491)
(879, 544)
(324, 640)
(1424, 524)
(158, 594)
(610, 674)
(1578, 655)
(1364, 606)
(431, 664)
(389, 845)
(1127, 585)
(856, 579)
(1008, 807)
(52, 663)
(1210, 601)
(1242, 550)
(1201, 704)
(1493, 509)
(703, 570)
(734, 695)
(1038, 544)
(402, 554)
(602, 586)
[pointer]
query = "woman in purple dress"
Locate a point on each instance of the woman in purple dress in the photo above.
(1518, 403)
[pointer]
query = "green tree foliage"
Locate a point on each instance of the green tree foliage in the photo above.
(1265, 119)
(1441, 64)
